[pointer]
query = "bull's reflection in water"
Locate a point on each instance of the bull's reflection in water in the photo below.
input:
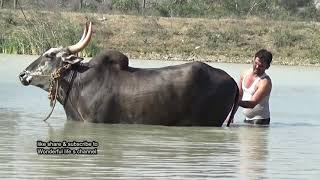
(128, 150)
(147, 151)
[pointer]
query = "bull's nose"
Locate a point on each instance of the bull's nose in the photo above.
(21, 75)
(23, 78)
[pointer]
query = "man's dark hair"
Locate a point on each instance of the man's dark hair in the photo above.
(264, 55)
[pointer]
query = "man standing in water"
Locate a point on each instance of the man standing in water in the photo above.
(255, 88)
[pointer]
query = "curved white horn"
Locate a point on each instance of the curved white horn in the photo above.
(84, 32)
(83, 41)
(83, 35)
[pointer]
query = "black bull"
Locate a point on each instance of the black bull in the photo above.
(107, 90)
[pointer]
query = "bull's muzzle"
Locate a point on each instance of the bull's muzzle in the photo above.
(24, 78)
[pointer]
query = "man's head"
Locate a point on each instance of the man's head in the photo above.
(261, 62)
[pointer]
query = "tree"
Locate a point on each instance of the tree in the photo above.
(294, 5)
(80, 4)
(15, 4)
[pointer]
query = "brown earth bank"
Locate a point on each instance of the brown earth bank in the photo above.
(145, 37)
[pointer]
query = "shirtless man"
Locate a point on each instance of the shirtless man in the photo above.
(255, 88)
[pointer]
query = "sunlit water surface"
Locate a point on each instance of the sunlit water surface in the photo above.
(287, 149)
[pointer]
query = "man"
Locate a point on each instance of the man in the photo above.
(255, 88)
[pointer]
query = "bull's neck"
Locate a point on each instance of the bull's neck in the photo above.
(69, 91)
(66, 83)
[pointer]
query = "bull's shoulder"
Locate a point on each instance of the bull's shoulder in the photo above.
(212, 70)
(201, 68)
(110, 58)
(203, 71)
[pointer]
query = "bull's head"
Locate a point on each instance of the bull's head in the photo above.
(38, 72)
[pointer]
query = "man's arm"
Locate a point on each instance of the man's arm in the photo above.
(263, 90)
(240, 86)
(240, 95)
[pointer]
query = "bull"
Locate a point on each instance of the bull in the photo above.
(107, 90)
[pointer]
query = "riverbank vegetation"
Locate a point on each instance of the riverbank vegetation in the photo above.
(175, 37)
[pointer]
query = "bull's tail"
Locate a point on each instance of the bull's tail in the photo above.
(234, 107)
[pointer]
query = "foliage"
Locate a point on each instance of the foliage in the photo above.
(153, 37)
(223, 39)
(38, 34)
(275, 9)
(294, 5)
(284, 38)
(126, 5)
(246, 7)
(181, 8)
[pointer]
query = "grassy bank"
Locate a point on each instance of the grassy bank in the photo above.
(215, 40)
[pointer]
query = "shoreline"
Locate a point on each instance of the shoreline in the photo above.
(145, 58)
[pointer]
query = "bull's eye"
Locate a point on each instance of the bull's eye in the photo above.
(46, 55)
(52, 54)
(49, 55)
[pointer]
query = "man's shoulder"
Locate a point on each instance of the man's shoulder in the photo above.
(266, 77)
(266, 81)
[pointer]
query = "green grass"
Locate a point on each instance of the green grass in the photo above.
(39, 33)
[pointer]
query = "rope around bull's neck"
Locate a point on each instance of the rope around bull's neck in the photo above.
(53, 92)
(53, 102)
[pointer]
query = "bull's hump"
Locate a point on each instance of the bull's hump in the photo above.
(112, 58)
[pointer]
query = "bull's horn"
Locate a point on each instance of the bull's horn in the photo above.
(83, 41)
(84, 32)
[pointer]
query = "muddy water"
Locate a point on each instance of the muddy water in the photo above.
(287, 149)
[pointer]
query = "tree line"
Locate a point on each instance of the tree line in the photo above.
(276, 9)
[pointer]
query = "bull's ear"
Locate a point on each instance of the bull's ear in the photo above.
(72, 59)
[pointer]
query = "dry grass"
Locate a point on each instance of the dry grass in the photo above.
(215, 40)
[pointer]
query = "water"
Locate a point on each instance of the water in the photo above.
(287, 149)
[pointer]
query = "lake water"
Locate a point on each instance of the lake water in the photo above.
(287, 149)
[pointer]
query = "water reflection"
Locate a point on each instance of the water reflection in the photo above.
(150, 151)
(253, 142)
(158, 152)
(7, 149)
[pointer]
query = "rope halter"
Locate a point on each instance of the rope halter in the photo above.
(54, 86)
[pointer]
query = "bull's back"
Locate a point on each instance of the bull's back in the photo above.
(156, 96)
(171, 95)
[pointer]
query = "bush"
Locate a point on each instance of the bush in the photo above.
(247, 7)
(182, 8)
(126, 5)
(294, 5)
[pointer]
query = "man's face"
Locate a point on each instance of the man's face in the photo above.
(259, 66)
